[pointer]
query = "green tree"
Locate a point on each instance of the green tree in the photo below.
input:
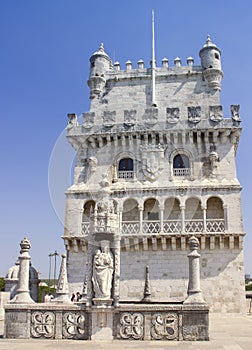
(2, 284)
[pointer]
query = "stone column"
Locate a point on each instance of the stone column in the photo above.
(23, 292)
(182, 208)
(204, 218)
(117, 251)
(140, 220)
(225, 217)
(194, 291)
(161, 219)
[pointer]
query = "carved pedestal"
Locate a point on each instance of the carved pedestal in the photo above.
(102, 324)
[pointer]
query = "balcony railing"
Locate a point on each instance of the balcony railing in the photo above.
(130, 228)
(85, 228)
(194, 226)
(169, 227)
(172, 226)
(151, 227)
(125, 174)
(181, 171)
(215, 225)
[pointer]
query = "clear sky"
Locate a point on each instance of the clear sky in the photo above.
(44, 64)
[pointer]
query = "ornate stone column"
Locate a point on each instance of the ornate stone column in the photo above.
(23, 292)
(117, 251)
(89, 275)
(194, 291)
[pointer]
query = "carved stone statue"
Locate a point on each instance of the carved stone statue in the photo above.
(213, 157)
(103, 266)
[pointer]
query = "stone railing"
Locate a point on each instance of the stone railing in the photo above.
(126, 174)
(181, 171)
(169, 227)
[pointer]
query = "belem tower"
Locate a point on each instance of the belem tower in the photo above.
(153, 224)
(155, 165)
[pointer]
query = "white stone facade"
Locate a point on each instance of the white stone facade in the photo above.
(170, 171)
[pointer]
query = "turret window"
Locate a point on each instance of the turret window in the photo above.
(216, 56)
(181, 165)
(126, 168)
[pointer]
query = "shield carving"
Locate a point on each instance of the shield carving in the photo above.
(152, 160)
(88, 120)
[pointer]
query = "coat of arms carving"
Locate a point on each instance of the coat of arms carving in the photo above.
(88, 120)
(235, 111)
(215, 113)
(152, 161)
(130, 117)
(109, 118)
(172, 115)
(194, 114)
(151, 116)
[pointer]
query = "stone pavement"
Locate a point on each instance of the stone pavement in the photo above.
(226, 333)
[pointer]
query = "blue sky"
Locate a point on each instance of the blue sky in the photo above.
(44, 63)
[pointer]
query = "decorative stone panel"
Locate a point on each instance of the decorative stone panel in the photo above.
(164, 326)
(130, 117)
(88, 120)
(215, 113)
(43, 324)
(74, 325)
(194, 114)
(172, 115)
(131, 325)
(109, 118)
(151, 116)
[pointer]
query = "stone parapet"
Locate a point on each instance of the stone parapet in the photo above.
(128, 321)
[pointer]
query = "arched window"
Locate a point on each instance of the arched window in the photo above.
(126, 168)
(181, 165)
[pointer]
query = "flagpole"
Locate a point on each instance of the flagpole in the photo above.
(153, 70)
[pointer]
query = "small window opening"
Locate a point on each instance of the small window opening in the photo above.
(125, 168)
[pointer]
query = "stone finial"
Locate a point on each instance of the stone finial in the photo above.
(117, 66)
(101, 48)
(23, 292)
(128, 65)
(193, 243)
(209, 42)
(177, 62)
(25, 245)
(165, 62)
(140, 64)
(62, 287)
(190, 61)
(147, 291)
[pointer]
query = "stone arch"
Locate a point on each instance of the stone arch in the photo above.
(172, 216)
(215, 208)
(88, 207)
(130, 210)
(193, 208)
(151, 209)
(193, 215)
(181, 162)
(172, 209)
(124, 166)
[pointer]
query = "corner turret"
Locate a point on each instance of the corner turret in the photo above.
(210, 56)
(100, 63)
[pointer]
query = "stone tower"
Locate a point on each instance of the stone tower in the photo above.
(148, 177)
